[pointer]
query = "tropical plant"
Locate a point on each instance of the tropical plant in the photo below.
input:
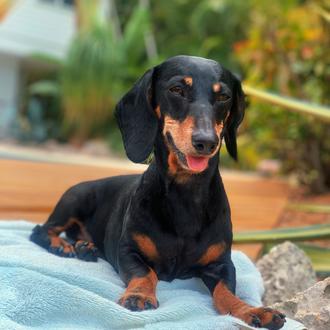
(202, 28)
(319, 255)
(98, 68)
(280, 47)
(286, 52)
(279, 235)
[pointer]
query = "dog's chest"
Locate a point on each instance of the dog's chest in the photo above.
(177, 259)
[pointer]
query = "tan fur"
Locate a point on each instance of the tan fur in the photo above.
(176, 170)
(213, 252)
(227, 303)
(142, 287)
(218, 128)
(188, 80)
(56, 242)
(146, 245)
(216, 87)
(172, 161)
(181, 132)
(157, 110)
(83, 234)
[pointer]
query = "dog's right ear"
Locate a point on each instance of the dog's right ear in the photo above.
(137, 119)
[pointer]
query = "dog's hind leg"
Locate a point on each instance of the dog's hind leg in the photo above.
(68, 218)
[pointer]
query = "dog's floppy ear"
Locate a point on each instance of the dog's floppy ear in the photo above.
(137, 120)
(235, 118)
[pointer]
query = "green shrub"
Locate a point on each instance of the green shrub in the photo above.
(285, 52)
(99, 67)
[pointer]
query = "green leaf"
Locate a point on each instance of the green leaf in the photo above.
(133, 38)
(315, 110)
(283, 234)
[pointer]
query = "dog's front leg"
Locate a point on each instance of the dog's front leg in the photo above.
(221, 281)
(141, 281)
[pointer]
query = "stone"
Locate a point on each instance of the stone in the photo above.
(286, 270)
(310, 307)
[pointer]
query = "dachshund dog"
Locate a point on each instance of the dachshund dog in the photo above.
(173, 221)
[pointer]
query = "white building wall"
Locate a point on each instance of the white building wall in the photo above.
(37, 27)
(9, 86)
(31, 27)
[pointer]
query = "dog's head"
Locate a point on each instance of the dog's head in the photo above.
(194, 102)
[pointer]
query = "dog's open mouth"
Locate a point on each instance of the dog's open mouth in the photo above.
(197, 164)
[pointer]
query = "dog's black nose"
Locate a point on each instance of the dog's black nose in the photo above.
(205, 143)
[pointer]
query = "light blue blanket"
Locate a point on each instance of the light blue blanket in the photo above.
(39, 290)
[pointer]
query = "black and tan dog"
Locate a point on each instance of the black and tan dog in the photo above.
(173, 221)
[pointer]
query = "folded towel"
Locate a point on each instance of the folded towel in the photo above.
(39, 290)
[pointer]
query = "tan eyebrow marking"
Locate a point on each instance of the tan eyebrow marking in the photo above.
(188, 80)
(216, 87)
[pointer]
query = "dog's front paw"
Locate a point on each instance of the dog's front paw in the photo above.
(86, 251)
(138, 301)
(261, 317)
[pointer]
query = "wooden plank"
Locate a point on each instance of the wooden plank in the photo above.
(29, 190)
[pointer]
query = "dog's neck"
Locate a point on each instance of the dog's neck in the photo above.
(190, 197)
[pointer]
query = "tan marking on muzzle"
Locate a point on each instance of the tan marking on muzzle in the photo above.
(188, 80)
(172, 162)
(181, 133)
(181, 176)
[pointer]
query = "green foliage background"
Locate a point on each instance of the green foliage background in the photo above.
(287, 50)
(281, 46)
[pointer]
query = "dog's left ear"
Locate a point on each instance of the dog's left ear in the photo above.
(235, 118)
(137, 120)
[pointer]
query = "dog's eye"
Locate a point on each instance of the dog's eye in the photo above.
(177, 90)
(222, 97)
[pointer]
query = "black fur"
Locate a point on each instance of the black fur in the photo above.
(136, 119)
(183, 218)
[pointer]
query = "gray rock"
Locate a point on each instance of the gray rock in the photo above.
(310, 307)
(286, 270)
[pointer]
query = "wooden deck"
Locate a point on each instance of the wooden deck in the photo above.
(29, 190)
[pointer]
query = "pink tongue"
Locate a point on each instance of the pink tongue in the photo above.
(197, 164)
